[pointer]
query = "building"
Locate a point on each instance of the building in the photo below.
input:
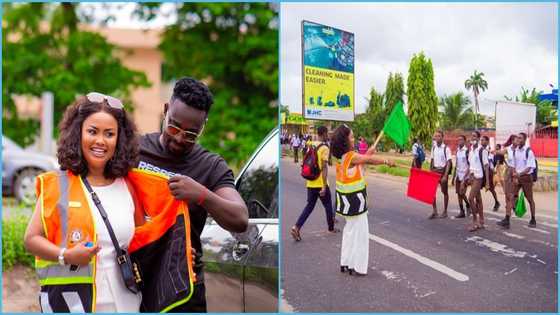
(138, 51)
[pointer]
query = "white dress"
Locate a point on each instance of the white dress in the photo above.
(111, 292)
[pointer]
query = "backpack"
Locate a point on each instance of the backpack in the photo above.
(482, 165)
(310, 169)
(421, 154)
(535, 174)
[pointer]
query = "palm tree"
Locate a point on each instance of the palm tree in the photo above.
(455, 111)
(476, 83)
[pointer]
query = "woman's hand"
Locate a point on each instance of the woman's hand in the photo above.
(80, 254)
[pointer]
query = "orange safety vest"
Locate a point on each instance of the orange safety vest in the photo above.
(351, 192)
(162, 246)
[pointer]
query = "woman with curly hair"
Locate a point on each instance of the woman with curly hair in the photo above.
(351, 199)
(97, 145)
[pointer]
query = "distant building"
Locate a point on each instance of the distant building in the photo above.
(139, 51)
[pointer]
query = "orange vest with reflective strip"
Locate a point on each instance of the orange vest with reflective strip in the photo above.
(67, 220)
(351, 192)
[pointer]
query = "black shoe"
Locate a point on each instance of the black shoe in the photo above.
(343, 268)
(533, 223)
(461, 215)
(496, 206)
(504, 223)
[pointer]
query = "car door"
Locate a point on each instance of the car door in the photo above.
(258, 186)
(226, 253)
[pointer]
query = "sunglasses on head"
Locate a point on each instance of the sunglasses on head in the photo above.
(189, 136)
(97, 97)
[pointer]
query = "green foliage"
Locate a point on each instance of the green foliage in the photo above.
(422, 99)
(394, 91)
(370, 123)
(234, 48)
(546, 112)
(395, 171)
(13, 251)
(456, 112)
(44, 50)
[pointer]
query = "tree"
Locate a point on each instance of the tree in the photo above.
(394, 91)
(546, 111)
(422, 99)
(233, 47)
(44, 49)
(476, 83)
(455, 111)
(370, 123)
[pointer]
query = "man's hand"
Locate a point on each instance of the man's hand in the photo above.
(323, 191)
(185, 188)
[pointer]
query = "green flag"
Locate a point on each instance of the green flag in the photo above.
(520, 207)
(397, 126)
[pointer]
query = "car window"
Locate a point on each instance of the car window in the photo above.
(258, 185)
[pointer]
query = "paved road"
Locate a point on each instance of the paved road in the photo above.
(415, 264)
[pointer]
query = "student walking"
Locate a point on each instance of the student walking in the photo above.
(524, 165)
(478, 177)
(296, 143)
(460, 175)
(317, 188)
(351, 200)
(485, 142)
(441, 163)
(418, 155)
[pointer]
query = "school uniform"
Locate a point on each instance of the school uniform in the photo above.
(441, 155)
(478, 160)
(415, 160)
(523, 160)
(461, 169)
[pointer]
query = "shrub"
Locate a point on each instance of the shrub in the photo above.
(13, 251)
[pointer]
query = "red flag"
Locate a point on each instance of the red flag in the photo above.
(422, 185)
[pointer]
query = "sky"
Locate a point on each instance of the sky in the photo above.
(513, 44)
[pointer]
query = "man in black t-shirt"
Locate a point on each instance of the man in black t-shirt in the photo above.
(197, 176)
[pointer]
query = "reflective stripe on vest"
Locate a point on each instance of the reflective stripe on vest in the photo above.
(351, 193)
(67, 220)
(55, 274)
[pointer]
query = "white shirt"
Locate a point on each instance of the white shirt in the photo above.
(111, 292)
(509, 159)
(491, 160)
(415, 149)
(462, 163)
(441, 154)
(521, 162)
(474, 161)
(296, 142)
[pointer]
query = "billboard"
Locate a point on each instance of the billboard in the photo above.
(328, 72)
(513, 118)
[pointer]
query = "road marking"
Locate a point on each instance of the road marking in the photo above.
(537, 230)
(510, 272)
(421, 259)
(384, 222)
(496, 247)
(519, 237)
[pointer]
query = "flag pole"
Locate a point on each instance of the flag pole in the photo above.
(378, 138)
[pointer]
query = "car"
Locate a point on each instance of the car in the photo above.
(241, 269)
(20, 168)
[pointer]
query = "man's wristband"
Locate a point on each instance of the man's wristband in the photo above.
(202, 196)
